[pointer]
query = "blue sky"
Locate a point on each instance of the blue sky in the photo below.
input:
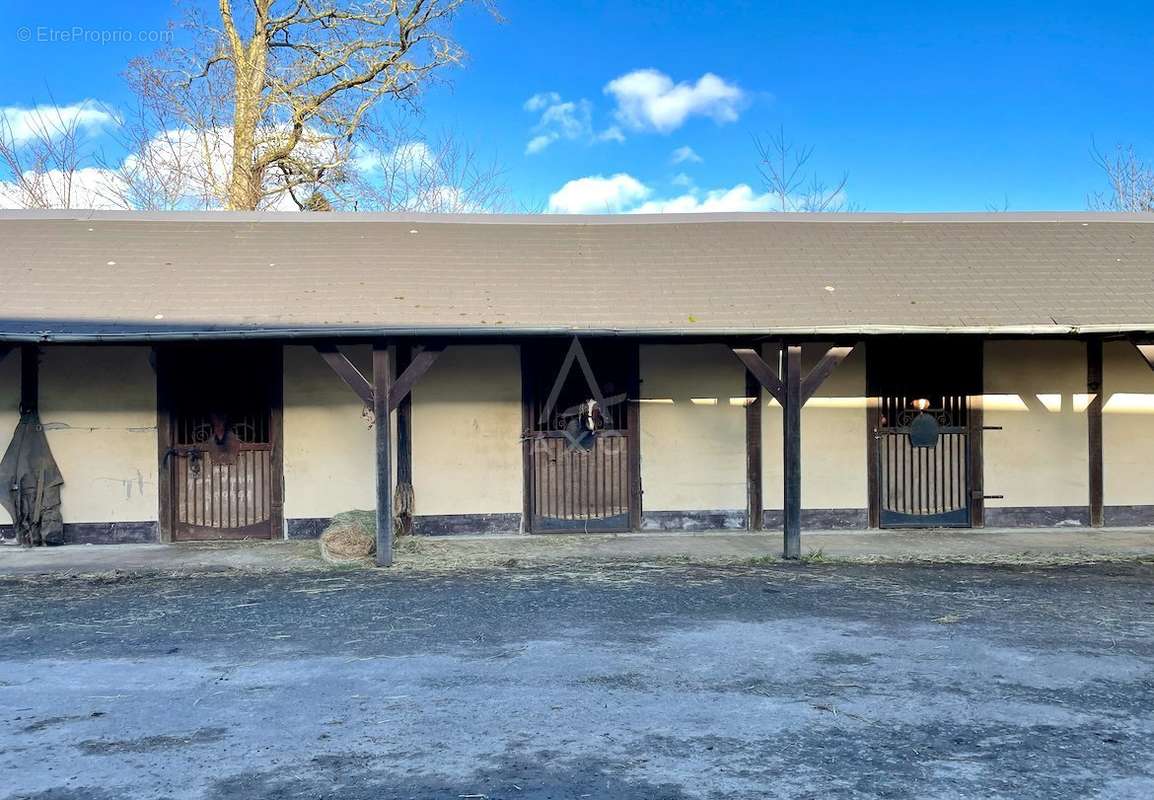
(927, 105)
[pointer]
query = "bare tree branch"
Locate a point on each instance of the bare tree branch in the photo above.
(1130, 181)
(294, 82)
(784, 169)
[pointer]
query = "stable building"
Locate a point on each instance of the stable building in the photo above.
(228, 375)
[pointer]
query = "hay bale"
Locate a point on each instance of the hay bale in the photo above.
(351, 536)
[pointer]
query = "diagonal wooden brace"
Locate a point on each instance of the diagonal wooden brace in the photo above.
(399, 388)
(1146, 350)
(405, 382)
(809, 384)
(347, 371)
(762, 371)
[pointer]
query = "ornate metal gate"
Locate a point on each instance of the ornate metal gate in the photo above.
(222, 460)
(923, 450)
(579, 469)
(926, 435)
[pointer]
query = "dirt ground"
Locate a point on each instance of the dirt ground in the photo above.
(611, 681)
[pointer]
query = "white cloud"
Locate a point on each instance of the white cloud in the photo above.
(539, 143)
(738, 198)
(683, 154)
(681, 179)
(24, 124)
(541, 101)
(409, 157)
(570, 120)
(89, 187)
(648, 99)
(624, 194)
(611, 134)
(596, 194)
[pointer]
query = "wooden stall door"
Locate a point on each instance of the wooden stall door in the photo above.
(223, 457)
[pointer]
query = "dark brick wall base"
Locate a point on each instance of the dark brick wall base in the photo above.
(1037, 517)
(821, 519)
(1128, 516)
(692, 520)
(102, 532)
(306, 527)
(425, 525)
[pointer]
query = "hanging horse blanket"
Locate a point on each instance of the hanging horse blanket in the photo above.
(30, 485)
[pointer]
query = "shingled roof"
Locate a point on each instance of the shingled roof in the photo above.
(124, 275)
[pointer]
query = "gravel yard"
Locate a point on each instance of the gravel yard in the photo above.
(607, 682)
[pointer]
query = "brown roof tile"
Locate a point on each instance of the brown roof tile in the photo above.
(71, 275)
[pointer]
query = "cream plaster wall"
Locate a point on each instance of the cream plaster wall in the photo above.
(98, 407)
(1127, 427)
(467, 433)
(692, 453)
(1035, 390)
(833, 436)
(329, 449)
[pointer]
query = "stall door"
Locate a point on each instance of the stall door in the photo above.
(926, 433)
(579, 451)
(924, 452)
(223, 456)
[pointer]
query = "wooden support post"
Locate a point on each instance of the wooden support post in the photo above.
(1094, 428)
(873, 462)
(382, 384)
(792, 390)
(791, 449)
(29, 379)
(527, 441)
(753, 476)
(404, 496)
(633, 432)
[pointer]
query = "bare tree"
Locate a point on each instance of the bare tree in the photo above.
(784, 168)
(44, 162)
(399, 170)
(1130, 180)
(273, 95)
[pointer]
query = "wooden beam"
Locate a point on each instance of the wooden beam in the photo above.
(633, 437)
(977, 462)
(822, 370)
(404, 446)
(1094, 428)
(791, 450)
(382, 383)
(754, 505)
(1146, 350)
(29, 379)
(873, 459)
(413, 373)
(528, 381)
(762, 371)
(347, 371)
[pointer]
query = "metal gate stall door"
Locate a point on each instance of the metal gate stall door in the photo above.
(923, 431)
(578, 459)
(221, 460)
(923, 448)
